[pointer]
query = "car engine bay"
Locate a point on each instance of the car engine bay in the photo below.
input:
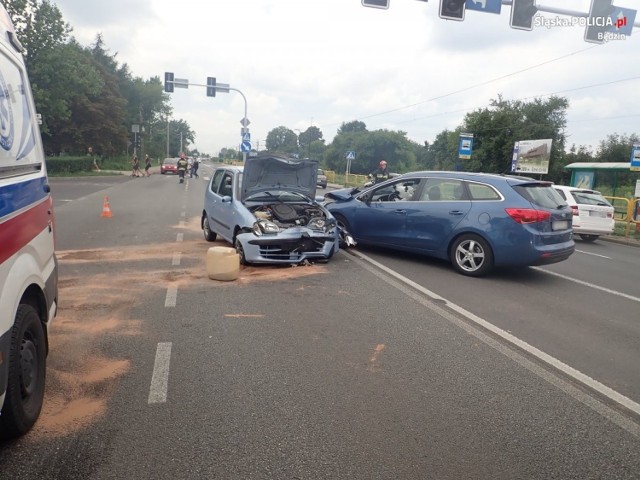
(288, 215)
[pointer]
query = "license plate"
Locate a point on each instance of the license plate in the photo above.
(593, 213)
(560, 225)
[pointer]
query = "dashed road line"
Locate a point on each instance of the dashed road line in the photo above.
(590, 285)
(172, 296)
(160, 377)
(594, 254)
(176, 259)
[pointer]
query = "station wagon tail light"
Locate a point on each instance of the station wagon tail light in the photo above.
(528, 215)
(574, 209)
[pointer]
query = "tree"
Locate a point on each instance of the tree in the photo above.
(39, 26)
(355, 126)
(311, 136)
(370, 148)
(282, 140)
(504, 122)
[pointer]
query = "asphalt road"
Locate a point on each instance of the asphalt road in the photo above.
(374, 366)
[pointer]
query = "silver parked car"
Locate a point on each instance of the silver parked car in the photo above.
(267, 210)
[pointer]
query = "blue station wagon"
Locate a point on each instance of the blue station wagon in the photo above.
(475, 220)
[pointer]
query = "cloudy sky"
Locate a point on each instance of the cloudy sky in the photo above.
(324, 62)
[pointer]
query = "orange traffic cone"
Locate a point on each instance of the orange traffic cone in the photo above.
(106, 209)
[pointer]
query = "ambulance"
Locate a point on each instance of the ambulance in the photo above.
(28, 265)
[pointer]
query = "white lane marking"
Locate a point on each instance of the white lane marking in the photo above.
(180, 237)
(160, 377)
(594, 254)
(590, 285)
(183, 214)
(176, 259)
(181, 224)
(172, 296)
(607, 412)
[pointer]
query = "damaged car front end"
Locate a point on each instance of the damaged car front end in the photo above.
(268, 212)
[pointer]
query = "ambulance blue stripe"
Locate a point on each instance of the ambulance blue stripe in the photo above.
(20, 195)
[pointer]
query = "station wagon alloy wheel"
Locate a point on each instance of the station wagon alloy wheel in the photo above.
(472, 256)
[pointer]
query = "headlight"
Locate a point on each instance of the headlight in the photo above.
(317, 223)
(262, 227)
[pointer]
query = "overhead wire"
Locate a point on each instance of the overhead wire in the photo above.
(502, 77)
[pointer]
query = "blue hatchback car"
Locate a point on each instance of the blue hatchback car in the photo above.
(475, 220)
(268, 211)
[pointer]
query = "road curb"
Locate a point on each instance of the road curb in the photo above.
(621, 240)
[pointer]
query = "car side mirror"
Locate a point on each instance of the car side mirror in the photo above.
(226, 199)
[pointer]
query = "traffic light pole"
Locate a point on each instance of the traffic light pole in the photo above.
(245, 118)
(170, 82)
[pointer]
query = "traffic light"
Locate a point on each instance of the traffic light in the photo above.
(452, 9)
(599, 21)
(211, 86)
(168, 82)
(522, 13)
(376, 3)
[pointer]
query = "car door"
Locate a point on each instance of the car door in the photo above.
(381, 218)
(219, 204)
(441, 205)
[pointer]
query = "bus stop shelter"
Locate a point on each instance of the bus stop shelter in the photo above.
(585, 174)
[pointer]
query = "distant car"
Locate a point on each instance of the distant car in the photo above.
(267, 210)
(169, 165)
(592, 213)
(476, 221)
(322, 179)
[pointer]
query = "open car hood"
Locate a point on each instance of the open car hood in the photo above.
(276, 173)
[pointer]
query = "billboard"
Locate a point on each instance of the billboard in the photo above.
(531, 156)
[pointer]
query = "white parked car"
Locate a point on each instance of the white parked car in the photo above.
(592, 213)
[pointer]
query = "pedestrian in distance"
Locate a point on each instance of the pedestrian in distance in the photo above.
(182, 167)
(381, 174)
(147, 165)
(135, 167)
(194, 168)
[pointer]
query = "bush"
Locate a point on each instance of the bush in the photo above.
(84, 165)
(65, 165)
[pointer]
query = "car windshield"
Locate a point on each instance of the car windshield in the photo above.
(541, 194)
(320, 172)
(590, 198)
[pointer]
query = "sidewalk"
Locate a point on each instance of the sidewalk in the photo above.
(622, 240)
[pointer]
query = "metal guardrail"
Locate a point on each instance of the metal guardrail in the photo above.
(627, 211)
(350, 180)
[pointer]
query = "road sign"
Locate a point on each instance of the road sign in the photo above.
(222, 87)
(245, 146)
(635, 157)
(351, 155)
(487, 6)
(181, 82)
(245, 122)
(465, 146)
(246, 137)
